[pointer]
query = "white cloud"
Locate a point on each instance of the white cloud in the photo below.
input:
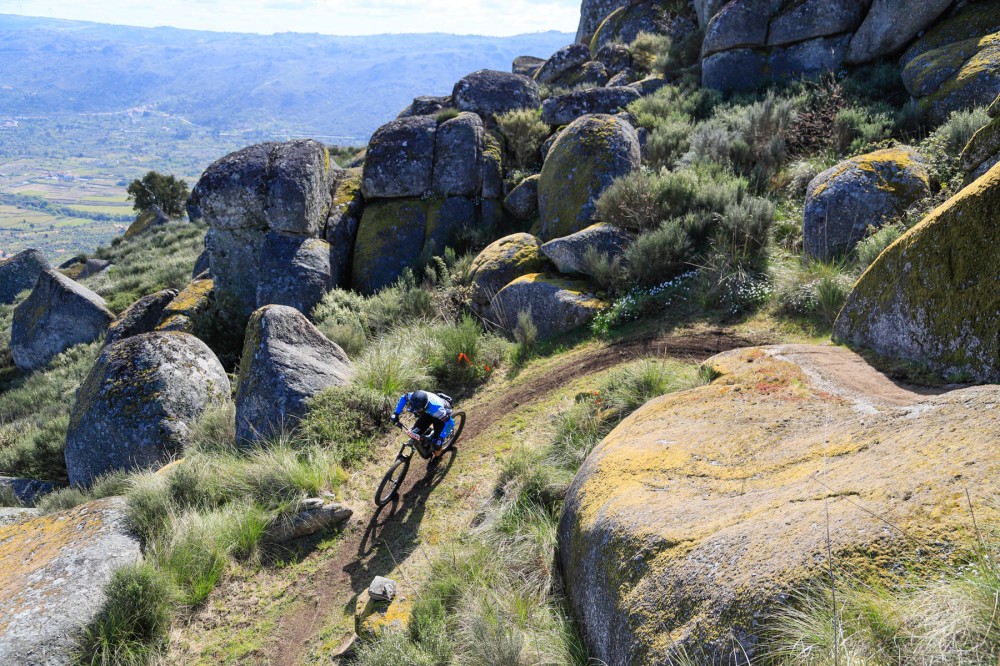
(341, 17)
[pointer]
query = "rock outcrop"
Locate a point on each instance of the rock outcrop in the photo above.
(568, 253)
(193, 300)
(522, 202)
(693, 521)
(564, 109)
(284, 188)
(490, 93)
(584, 160)
(931, 297)
(286, 361)
(527, 65)
(19, 273)
(890, 25)
(562, 61)
(390, 238)
(556, 305)
(501, 262)
(956, 64)
(53, 571)
(26, 491)
(843, 201)
(400, 159)
(143, 316)
(138, 403)
(146, 220)
(295, 271)
(58, 314)
(672, 18)
(592, 14)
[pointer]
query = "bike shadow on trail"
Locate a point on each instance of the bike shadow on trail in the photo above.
(391, 534)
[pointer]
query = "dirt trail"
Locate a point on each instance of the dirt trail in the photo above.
(389, 534)
(844, 373)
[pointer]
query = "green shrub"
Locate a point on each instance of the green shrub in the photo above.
(392, 366)
(658, 255)
(960, 127)
(870, 248)
(525, 133)
(856, 128)
(134, 621)
(668, 142)
(461, 353)
(605, 272)
(831, 294)
(744, 233)
(347, 419)
(215, 430)
(446, 115)
(674, 102)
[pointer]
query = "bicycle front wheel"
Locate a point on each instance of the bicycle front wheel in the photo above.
(459, 418)
(391, 481)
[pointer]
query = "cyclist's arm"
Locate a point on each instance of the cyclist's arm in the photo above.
(401, 404)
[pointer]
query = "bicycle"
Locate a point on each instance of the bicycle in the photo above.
(420, 443)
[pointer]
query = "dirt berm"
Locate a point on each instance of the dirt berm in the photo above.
(704, 510)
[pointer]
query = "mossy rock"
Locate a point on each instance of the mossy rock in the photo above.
(296, 271)
(54, 571)
(194, 299)
(583, 162)
(346, 208)
(956, 65)
(982, 151)
(701, 513)
(564, 60)
(501, 262)
(146, 220)
(674, 18)
(136, 408)
(400, 158)
(932, 297)
(390, 238)
(555, 305)
(864, 191)
(143, 316)
(20, 272)
(375, 618)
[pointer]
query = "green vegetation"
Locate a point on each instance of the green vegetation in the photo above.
(525, 133)
(495, 599)
(167, 192)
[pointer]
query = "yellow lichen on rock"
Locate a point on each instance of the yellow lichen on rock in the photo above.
(193, 299)
(373, 618)
(703, 507)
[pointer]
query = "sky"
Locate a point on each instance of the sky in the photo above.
(332, 17)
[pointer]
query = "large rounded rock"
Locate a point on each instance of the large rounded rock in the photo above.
(140, 317)
(586, 158)
(19, 273)
(228, 194)
(697, 517)
(843, 201)
(568, 253)
(527, 65)
(815, 18)
(400, 158)
(555, 305)
(501, 262)
(809, 58)
(890, 25)
(286, 361)
(956, 64)
(565, 59)
(295, 271)
(672, 18)
(522, 202)
(458, 162)
(616, 58)
(425, 105)
(298, 188)
(284, 186)
(136, 407)
(564, 109)
(54, 572)
(390, 238)
(490, 93)
(592, 14)
(735, 70)
(739, 24)
(931, 297)
(58, 314)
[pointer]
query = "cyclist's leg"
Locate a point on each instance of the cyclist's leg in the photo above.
(424, 423)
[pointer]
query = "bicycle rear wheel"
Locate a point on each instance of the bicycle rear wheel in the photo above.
(391, 481)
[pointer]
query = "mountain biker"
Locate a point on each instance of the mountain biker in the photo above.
(432, 410)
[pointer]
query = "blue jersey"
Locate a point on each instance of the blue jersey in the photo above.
(437, 406)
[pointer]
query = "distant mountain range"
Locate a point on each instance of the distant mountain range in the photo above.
(336, 89)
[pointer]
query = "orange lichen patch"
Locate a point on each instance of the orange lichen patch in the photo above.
(701, 507)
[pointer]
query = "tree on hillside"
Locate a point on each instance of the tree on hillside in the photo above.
(157, 189)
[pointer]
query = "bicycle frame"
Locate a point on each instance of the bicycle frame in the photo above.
(415, 442)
